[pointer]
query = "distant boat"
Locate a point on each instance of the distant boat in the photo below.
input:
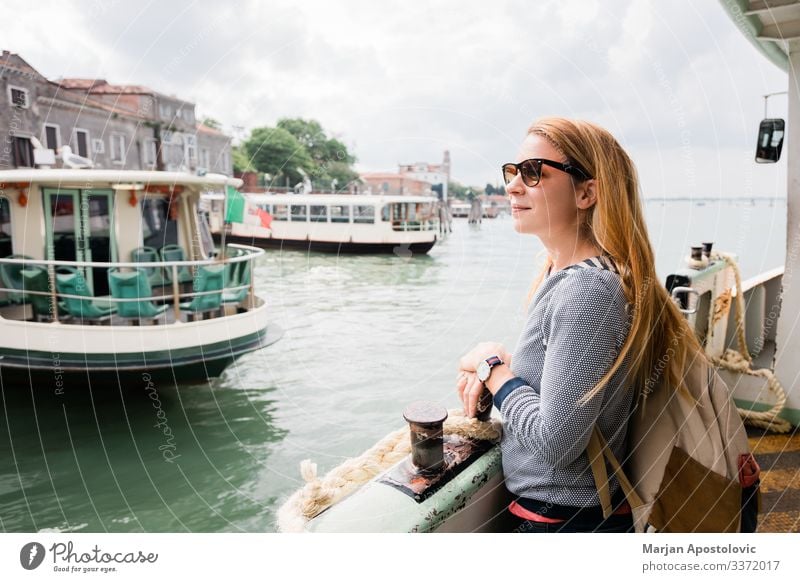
(337, 223)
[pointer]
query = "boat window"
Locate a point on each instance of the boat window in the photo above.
(299, 213)
(364, 214)
(386, 213)
(157, 228)
(319, 214)
(6, 247)
(205, 234)
(280, 212)
(340, 214)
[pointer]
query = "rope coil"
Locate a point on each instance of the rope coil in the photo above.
(320, 493)
(742, 362)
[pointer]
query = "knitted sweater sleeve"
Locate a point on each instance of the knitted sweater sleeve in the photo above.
(583, 328)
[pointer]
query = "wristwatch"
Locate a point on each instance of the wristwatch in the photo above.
(485, 367)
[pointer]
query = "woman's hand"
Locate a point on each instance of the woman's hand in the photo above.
(469, 390)
(468, 386)
(469, 361)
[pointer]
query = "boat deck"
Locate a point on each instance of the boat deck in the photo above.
(779, 458)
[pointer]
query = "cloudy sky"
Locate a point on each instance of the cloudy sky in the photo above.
(675, 81)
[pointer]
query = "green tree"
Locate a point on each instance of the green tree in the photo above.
(456, 190)
(277, 152)
(331, 158)
(241, 161)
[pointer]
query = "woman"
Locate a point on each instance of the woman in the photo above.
(598, 328)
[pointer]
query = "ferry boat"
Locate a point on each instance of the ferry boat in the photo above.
(336, 223)
(106, 276)
(460, 209)
(730, 316)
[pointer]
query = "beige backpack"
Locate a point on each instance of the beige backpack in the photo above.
(689, 467)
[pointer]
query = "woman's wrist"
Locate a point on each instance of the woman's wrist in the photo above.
(500, 375)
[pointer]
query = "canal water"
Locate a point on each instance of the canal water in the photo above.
(364, 336)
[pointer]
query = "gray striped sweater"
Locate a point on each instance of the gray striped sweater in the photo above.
(577, 322)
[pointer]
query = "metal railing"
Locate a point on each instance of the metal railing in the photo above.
(414, 225)
(250, 254)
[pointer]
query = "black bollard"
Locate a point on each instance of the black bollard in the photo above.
(426, 423)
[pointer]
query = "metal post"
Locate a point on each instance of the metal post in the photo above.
(176, 292)
(51, 276)
(426, 423)
(252, 282)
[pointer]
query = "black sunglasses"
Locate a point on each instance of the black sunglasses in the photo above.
(531, 170)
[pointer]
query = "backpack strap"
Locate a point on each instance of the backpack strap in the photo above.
(601, 479)
(594, 450)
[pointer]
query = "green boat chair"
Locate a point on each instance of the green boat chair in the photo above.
(209, 278)
(155, 274)
(34, 278)
(70, 281)
(231, 268)
(175, 253)
(12, 279)
(133, 285)
(240, 276)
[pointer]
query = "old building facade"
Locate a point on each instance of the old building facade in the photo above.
(116, 126)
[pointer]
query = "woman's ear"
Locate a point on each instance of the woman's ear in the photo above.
(586, 195)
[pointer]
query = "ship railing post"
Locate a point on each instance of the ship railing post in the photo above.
(176, 293)
(51, 278)
(252, 299)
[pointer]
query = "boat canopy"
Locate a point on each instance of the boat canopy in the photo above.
(768, 24)
(86, 178)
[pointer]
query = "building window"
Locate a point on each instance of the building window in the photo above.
(190, 150)
(18, 97)
(150, 151)
(80, 142)
(98, 146)
(226, 162)
(52, 136)
(118, 148)
(205, 159)
(6, 248)
(165, 110)
(23, 152)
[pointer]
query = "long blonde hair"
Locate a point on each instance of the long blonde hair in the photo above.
(660, 341)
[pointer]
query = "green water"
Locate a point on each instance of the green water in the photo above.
(364, 336)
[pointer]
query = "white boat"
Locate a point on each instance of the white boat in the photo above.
(469, 495)
(460, 209)
(332, 222)
(111, 276)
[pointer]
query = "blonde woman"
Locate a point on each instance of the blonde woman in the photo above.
(601, 330)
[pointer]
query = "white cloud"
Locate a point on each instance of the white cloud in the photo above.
(403, 81)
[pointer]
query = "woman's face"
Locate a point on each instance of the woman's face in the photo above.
(547, 210)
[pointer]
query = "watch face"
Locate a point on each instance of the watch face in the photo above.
(483, 371)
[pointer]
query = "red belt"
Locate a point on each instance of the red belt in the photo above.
(520, 511)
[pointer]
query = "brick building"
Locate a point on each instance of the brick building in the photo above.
(116, 126)
(395, 184)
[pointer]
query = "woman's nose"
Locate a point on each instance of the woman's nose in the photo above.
(515, 186)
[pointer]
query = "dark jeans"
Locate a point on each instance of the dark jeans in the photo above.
(614, 524)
